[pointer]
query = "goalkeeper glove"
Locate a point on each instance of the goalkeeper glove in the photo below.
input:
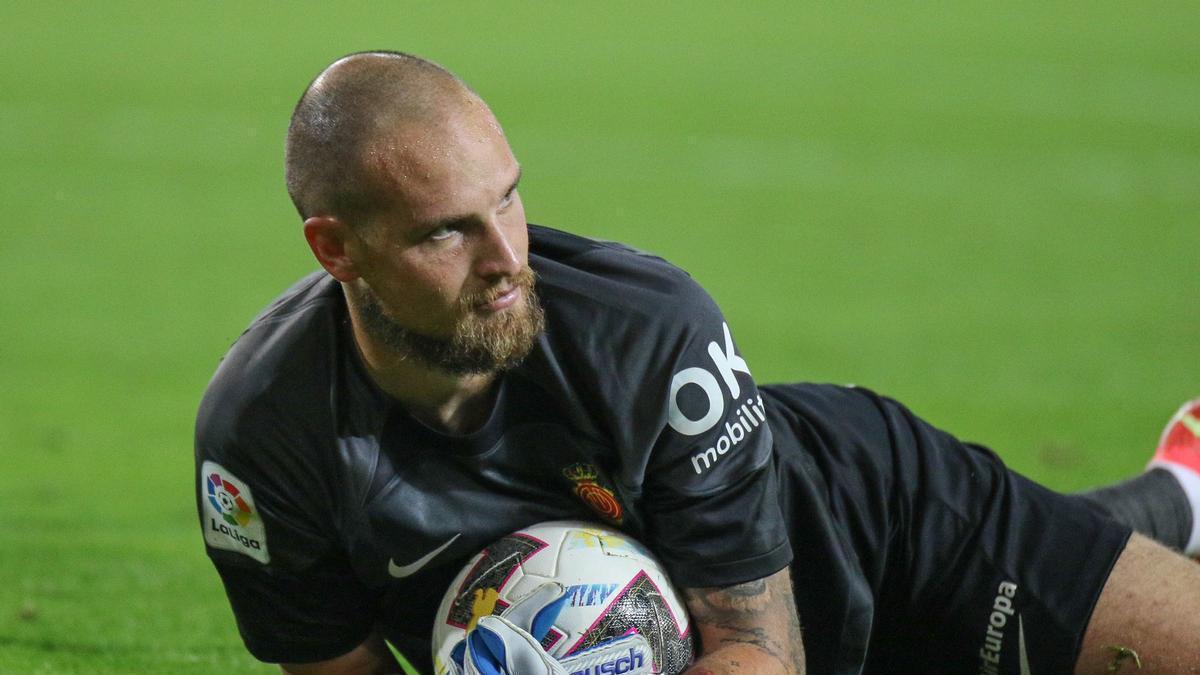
(509, 644)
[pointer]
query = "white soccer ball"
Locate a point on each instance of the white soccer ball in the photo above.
(614, 587)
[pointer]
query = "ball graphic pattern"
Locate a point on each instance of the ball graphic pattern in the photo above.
(614, 587)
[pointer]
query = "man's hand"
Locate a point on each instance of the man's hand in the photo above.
(497, 646)
(749, 627)
(509, 644)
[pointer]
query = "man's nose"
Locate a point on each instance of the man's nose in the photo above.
(498, 255)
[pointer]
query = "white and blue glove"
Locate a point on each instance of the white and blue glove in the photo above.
(509, 644)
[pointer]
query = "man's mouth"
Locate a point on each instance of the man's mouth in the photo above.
(501, 300)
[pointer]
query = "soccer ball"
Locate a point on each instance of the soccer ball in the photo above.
(614, 587)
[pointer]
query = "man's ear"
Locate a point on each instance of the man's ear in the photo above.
(332, 242)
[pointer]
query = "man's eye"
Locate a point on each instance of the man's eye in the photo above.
(443, 232)
(508, 200)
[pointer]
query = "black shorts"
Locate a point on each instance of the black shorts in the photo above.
(916, 552)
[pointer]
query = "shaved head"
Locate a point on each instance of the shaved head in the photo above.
(358, 100)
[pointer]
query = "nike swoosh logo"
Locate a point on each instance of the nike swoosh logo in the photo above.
(1192, 424)
(1021, 654)
(401, 571)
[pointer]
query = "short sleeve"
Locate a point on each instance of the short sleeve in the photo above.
(642, 358)
(711, 490)
(294, 595)
(269, 529)
(269, 485)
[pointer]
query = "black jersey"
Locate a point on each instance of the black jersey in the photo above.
(328, 510)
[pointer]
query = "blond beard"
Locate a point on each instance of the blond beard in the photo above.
(476, 344)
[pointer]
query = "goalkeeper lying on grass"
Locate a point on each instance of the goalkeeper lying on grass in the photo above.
(454, 373)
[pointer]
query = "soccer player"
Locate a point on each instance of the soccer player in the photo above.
(454, 373)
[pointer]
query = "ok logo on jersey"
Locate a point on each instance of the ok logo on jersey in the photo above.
(726, 362)
(739, 424)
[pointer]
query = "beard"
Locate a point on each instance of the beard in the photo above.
(476, 344)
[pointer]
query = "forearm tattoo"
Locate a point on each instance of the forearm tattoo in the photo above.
(760, 614)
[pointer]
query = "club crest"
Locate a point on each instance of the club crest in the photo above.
(599, 498)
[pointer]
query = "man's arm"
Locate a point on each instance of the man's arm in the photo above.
(747, 628)
(372, 657)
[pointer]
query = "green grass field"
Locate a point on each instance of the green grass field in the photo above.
(987, 212)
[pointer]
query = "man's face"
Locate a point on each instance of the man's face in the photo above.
(444, 266)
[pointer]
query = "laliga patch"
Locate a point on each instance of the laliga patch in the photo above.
(231, 522)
